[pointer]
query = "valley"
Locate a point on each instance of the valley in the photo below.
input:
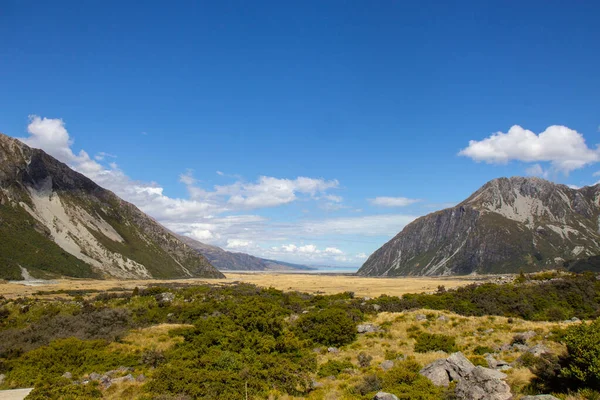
(302, 282)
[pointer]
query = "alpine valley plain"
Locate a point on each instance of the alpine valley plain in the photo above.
(495, 298)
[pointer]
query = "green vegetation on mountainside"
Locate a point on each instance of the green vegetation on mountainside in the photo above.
(21, 243)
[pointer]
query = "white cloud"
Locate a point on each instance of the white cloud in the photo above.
(102, 155)
(563, 147)
(393, 201)
(536, 170)
(216, 216)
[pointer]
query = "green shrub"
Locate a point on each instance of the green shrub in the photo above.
(334, 368)
(482, 350)
(64, 389)
(330, 327)
(583, 360)
(435, 342)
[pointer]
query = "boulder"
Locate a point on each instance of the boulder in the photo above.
(315, 385)
(165, 297)
(443, 318)
(483, 384)
(367, 328)
(385, 396)
(95, 377)
(420, 317)
(575, 319)
(2, 378)
(333, 350)
(126, 378)
(67, 375)
(538, 350)
(453, 368)
(437, 372)
(496, 364)
(528, 335)
(140, 378)
(387, 364)
(376, 307)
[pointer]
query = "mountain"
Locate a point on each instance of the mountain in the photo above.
(507, 225)
(231, 261)
(56, 222)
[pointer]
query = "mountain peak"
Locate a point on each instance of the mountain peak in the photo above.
(507, 225)
(55, 221)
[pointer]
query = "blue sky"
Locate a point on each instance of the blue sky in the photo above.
(272, 127)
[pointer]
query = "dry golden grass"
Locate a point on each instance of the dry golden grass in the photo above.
(312, 283)
(151, 338)
(469, 333)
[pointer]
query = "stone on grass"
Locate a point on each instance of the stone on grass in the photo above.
(420, 317)
(538, 350)
(385, 396)
(367, 328)
(67, 375)
(387, 364)
(483, 384)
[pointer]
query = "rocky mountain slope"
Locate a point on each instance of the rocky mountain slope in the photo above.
(56, 222)
(507, 225)
(232, 261)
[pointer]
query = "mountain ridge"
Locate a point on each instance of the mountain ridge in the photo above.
(506, 225)
(225, 260)
(55, 221)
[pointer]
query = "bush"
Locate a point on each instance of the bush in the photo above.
(334, 368)
(435, 342)
(330, 327)
(64, 389)
(583, 360)
(364, 360)
(482, 350)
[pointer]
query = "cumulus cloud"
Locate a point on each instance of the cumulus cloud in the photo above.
(203, 215)
(393, 201)
(536, 170)
(563, 147)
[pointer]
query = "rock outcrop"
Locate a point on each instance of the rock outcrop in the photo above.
(473, 383)
(509, 224)
(55, 221)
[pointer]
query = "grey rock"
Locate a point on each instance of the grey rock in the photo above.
(2, 378)
(293, 318)
(387, 364)
(376, 307)
(506, 367)
(479, 233)
(367, 328)
(575, 319)
(443, 318)
(385, 396)
(460, 363)
(437, 372)
(528, 335)
(420, 317)
(520, 347)
(126, 378)
(94, 376)
(540, 397)
(165, 297)
(488, 331)
(538, 350)
(333, 350)
(140, 378)
(483, 384)
(67, 375)
(442, 372)
(491, 361)
(315, 384)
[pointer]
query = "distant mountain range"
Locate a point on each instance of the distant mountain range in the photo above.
(56, 222)
(232, 261)
(508, 225)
